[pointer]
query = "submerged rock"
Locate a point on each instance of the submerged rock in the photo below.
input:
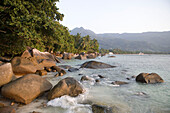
(68, 86)
(72, 69)
(6, 73)
(119, 83)
(26, 88)
(64, 66)
(96, 65)
(101, 109)
(111, 56)
(149, 78)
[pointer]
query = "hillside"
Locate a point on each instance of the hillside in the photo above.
(147, 41)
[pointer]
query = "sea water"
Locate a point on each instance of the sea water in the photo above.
(129, 98)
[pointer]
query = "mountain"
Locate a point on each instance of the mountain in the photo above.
(147, 41)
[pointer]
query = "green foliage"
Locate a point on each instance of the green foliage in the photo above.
(35, 23)
(26, 23)
(103, 51)
(85, 44)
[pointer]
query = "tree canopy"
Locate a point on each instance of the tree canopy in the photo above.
(35, 23)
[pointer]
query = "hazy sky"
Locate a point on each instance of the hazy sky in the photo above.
(116, 16)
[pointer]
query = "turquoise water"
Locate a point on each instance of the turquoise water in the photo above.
(124, 99)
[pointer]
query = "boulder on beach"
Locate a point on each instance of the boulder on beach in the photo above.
(6, 73)
(26, 88)
(68, 86)
(47, 62)
(67, 56)
(91, 56)
(59, 70)
(149, 78)
(96, 65)
(22, 66)
(101, 109)
(81, 56)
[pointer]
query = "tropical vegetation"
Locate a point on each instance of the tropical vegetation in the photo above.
(36, 23)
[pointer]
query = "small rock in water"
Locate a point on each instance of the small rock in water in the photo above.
(72, 69)
(141, 94)
(128, 78)
(119, 83)
(101, 76)
(101, 109)
(83, 78)
(134, 76)
(80, 74)
(97, 80)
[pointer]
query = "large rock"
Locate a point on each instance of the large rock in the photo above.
(101, 109)
(26, 88)
(6, 73)
(22, 66)
(149, 78)
(68, 86)
(96, 65)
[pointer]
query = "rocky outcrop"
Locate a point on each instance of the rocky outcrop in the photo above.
(149, 78)
(26, 88)
(101, 109)
(96, 65)
(6, 73)
(22, 66)
(68, 86)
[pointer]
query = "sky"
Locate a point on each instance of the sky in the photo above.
(116, 16)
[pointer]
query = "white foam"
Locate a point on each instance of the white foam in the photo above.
(71, 104)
